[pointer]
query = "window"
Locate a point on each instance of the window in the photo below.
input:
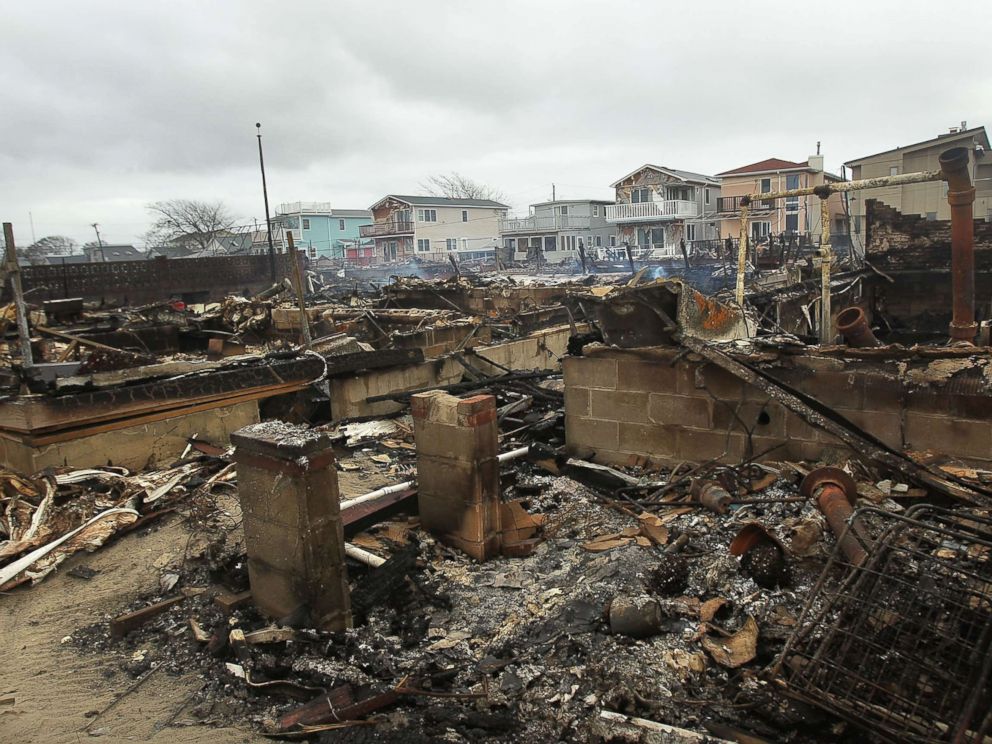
(792, 222)
(766, 185)
(510, 243)
(760, 230)
(464, 215)
(690, 232)
(426, 215)
(550, 243)
(341, 225)
(613, 241)
(563, 210)
(894, 170)
(595, 210)
(706, 196)
(792, 202)
(423, 245)
(306, 223)
(450, 243)
(642, 194)
(313, 252)
(599, 241)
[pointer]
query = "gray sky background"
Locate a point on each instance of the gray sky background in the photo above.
(110, 105)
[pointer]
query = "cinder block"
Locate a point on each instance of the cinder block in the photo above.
(576, 401)
(767, 418)
(591, 372)
(699, 445)
(970, 440)
(619, 405)
(589, 432)
(835, 389)
(680, 409)
(719, 382)
(883, 394)
(885, 426)
(651, 377)
(648, 439)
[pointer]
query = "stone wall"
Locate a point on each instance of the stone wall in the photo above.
(630, 406)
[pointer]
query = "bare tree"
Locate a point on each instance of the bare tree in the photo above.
(456, 186)
(53, 245)
(193, 224)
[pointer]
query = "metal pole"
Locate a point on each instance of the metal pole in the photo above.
(833, 188)
(826, 256)
(961, 197)
(99, 242)
(742, 257)
(15, 283)
(265, 197)
(298, 286)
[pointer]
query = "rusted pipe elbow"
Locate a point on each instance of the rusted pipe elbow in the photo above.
(712, 495)
(835, 492)
(853, 326)
(961, 197)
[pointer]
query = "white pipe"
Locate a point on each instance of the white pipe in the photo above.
(363, 556)
(387, 490)
(513, 454)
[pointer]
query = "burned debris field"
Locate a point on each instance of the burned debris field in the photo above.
(742, 495)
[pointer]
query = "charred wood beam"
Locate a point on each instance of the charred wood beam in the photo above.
(464, 387)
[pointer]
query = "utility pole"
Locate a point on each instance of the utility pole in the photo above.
(31, 220)
(265, 197)
(552, 192)
(99, 242)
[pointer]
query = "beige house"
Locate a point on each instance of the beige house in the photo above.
(793, 216)
(434, 227)
(924, 199)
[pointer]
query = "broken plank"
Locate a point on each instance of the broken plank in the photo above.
(121, 625)
(229, 602)
(77, 339)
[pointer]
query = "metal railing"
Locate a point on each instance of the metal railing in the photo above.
(392, 227)
(733, 204)
(550, 222)
(304, 207)
(652, 210)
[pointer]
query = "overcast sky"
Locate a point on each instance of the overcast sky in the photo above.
(110, 105)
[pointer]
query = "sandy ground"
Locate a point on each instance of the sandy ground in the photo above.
(55, 686)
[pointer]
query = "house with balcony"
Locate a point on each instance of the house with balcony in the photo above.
(658, 207)
(795, 216)
(319, 229)
(433, 227)
(553, 231)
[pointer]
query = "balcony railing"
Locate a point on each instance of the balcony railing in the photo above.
(733, 204)
(671, 209)
(550, 222)
(392, 227)
(304, 208)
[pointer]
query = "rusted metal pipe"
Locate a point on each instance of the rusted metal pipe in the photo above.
(713, 496)
(853, 326)
(835, 492)
(961, 197)
(825, 189)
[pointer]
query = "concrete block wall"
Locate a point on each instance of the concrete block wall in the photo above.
(628, 406)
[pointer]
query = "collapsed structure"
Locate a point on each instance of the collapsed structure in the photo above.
(607, 507)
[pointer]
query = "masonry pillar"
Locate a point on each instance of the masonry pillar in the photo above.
(288, 489)
(458, 470)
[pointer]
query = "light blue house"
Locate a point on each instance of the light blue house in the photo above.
(320, 230)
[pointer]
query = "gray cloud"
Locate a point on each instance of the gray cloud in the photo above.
(110, 105)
